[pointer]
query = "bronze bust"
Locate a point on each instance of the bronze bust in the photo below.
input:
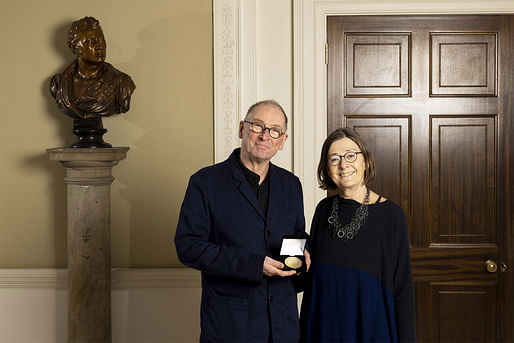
(90, 88)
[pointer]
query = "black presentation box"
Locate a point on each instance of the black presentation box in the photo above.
(291, 252)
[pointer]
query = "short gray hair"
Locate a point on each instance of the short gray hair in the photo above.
(266, 102)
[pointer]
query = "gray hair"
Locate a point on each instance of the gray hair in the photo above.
(266, 102)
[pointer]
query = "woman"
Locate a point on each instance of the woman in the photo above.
(359, 287)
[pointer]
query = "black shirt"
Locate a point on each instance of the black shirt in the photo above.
(261, 191)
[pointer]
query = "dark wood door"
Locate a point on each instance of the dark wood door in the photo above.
(433, 97)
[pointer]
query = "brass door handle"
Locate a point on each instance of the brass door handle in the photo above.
(503, 267)
(491, 266)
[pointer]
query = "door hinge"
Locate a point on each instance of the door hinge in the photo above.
(326, 53)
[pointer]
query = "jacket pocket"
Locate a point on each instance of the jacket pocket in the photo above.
(224, 319)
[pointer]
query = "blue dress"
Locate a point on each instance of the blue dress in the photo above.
(359, 290)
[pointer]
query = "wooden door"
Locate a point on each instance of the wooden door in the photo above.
(433, 98)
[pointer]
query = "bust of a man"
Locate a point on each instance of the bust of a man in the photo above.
(90, 87)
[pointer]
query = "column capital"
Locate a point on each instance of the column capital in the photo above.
(88, 166)
(87, 154)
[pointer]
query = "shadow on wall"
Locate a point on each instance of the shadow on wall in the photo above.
(63, 125)
(172, 115)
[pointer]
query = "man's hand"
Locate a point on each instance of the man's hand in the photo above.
(272, 267)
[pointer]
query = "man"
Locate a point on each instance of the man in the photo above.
(230, 227)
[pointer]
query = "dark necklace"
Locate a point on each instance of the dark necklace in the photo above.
(350, 230)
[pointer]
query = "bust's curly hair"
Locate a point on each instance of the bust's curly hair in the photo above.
(80, 25)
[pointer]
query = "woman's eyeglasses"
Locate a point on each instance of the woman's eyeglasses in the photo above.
(349, 156)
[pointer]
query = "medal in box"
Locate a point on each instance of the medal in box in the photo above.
(291, 252)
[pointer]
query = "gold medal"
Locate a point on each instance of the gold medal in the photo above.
(293, 262)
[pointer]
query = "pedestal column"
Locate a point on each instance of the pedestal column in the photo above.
(88, 179)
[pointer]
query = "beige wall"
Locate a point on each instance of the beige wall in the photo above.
(166, 47)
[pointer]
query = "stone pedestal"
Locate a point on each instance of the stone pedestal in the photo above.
(89, 178)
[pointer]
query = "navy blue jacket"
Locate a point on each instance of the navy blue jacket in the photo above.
(223, 232)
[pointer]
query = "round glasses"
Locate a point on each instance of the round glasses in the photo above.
(274, 132)
(349, 156)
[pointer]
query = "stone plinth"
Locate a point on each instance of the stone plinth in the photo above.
(88, 179)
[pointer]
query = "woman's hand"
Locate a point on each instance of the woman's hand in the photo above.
(307, 258)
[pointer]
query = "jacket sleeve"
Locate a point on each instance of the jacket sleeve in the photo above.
(403, 284)
(194, 249)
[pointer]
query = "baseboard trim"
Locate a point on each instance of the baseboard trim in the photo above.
(120, 278)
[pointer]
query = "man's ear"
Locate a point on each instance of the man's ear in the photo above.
(284, 138)
(241, 127)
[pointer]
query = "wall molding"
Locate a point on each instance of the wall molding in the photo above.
(226, 76)
(123, 278)
(33, 278)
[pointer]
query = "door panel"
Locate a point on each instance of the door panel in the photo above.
(463, 64)
(463, 179)
(364, 76)
(432, 97)
(464, 306)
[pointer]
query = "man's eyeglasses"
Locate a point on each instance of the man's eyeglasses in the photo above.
(349, 156)
(274, 132)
